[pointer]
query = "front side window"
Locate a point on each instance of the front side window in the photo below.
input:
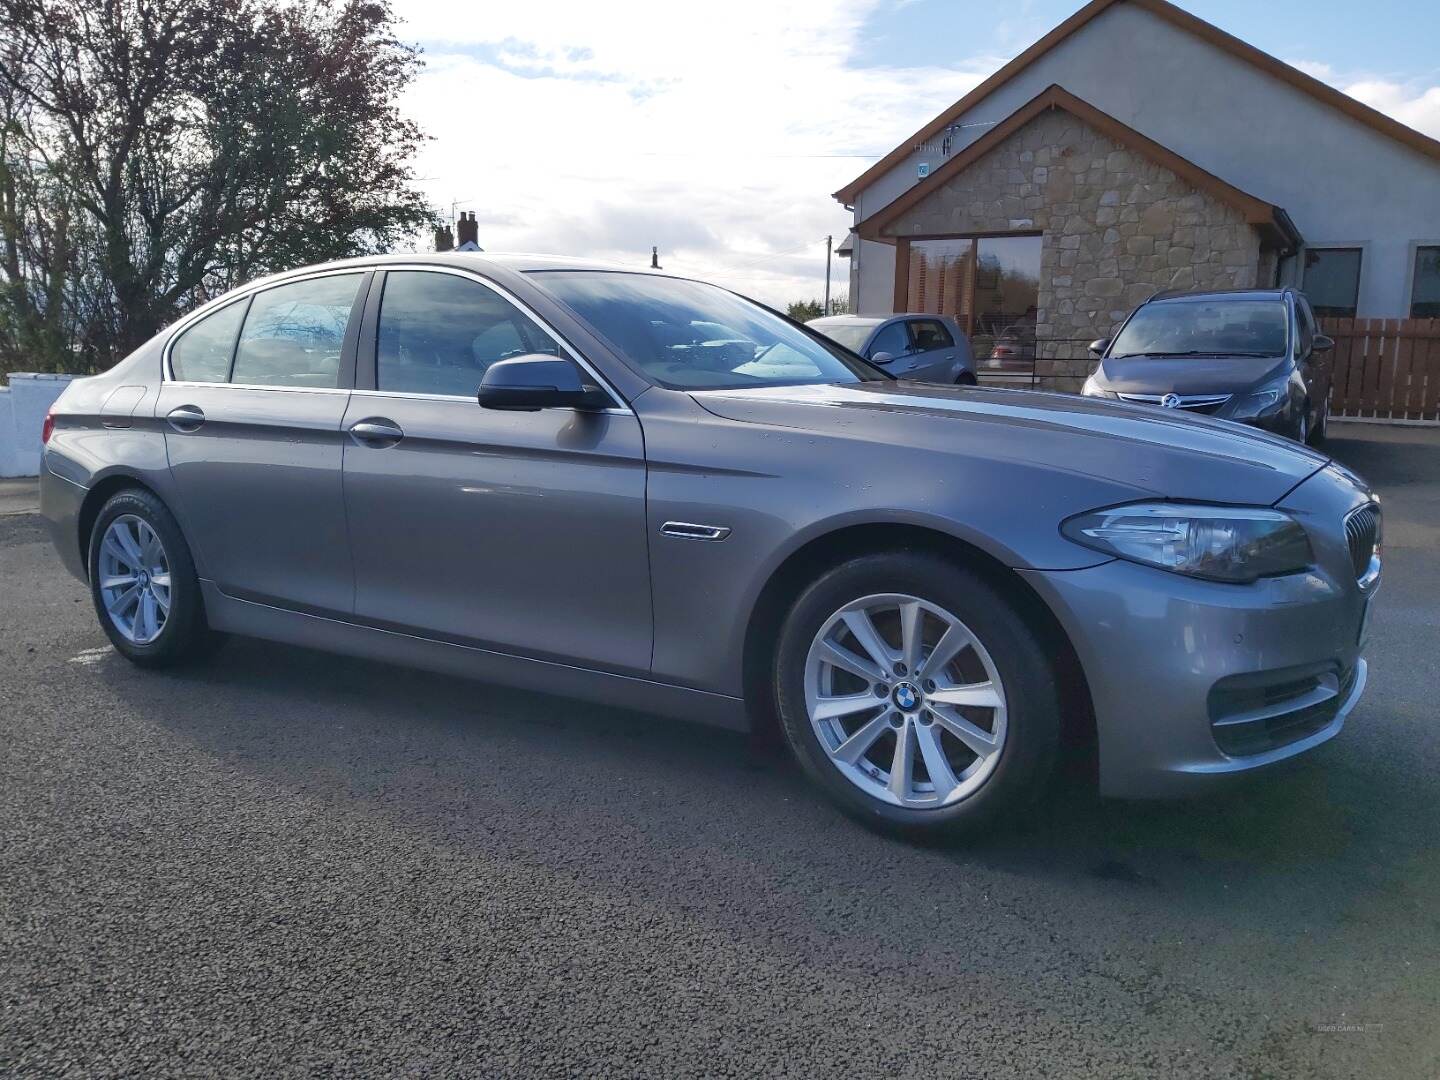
(1425, 289)
(294, 333)
(893, 341)
(439, 333)
(1332, 281)
(1182, 328)
(687, 335)
(202, 352)
(1305, 329)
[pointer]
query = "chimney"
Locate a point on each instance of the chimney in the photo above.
(655, 259)
(444, 239)
(467, 230)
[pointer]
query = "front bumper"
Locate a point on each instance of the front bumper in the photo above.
(1193, 680)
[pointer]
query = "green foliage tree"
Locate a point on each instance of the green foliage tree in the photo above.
(154, 153)
(803, 310)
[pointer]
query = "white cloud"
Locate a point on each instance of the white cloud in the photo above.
(1412, 103)
(715, 133)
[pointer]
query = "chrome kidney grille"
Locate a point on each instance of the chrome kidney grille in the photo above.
(1362, 533)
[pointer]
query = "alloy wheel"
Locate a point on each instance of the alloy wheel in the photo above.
(905, 701)
(134, 579)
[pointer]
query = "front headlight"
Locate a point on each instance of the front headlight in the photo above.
(1094, 389)
(1258, 403)
(1219, 543)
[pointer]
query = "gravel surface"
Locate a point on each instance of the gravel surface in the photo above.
(289, 863)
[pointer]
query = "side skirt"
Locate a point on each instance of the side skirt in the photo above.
(251, 619)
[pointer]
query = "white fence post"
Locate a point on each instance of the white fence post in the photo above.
(23, 406)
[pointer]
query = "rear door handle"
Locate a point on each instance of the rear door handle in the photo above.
(186, 418)
(376, 432)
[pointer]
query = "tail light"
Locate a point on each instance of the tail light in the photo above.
(48, 428)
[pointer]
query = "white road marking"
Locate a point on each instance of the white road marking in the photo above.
(91, 656)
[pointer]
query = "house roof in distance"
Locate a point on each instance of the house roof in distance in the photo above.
(1272, 221)
(1185, 21)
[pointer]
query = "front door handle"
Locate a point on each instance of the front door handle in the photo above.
(186, 418)
(376, 432)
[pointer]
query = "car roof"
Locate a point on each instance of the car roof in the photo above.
(1219, 294)
(848, 320)
(521, 262)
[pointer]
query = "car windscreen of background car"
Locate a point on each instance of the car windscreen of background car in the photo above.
(1206, 328)
(686, 335)
(852, 335)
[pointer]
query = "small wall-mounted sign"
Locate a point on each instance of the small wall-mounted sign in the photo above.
(924, 169)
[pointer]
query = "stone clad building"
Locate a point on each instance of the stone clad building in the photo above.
(1136, 148)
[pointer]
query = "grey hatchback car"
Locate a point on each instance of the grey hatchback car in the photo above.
(649, 491)
(931, 348)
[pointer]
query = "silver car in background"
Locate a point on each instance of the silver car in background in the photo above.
(648, 491)
(929, 348)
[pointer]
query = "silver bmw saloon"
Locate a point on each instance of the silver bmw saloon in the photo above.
(649, 491)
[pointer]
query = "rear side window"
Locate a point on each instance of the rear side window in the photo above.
(893, 340)
(293, 334)
(439, 333)
(202, 353)
(929, 334)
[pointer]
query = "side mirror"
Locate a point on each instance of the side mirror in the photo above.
(1322, 343)
(1098, 346)
(881, 357)
(537, 381)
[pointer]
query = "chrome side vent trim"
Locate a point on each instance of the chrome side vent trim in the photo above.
(688, 530)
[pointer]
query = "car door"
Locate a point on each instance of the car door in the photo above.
(518, 531)
(251, 410)
(934, 355)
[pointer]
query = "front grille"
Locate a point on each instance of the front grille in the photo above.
(1198, 403)
(1247, 718)
(1362, 533)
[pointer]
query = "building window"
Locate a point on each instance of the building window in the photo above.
(1425, 288)
(989, 284)
(1332, 281)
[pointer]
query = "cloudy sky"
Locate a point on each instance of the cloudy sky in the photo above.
(717, 131)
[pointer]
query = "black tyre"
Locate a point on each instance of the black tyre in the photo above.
(144, 585)
(965, 378)
(1321, 427)
(915, 695)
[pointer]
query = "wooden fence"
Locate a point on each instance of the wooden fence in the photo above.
(1386, 369)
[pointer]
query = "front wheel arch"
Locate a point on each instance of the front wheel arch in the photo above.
(808, 562)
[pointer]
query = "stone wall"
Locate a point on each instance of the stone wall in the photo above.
(1116, 227)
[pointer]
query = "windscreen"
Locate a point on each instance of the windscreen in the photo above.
(687, 335)
(1206, 328)
(851, 335)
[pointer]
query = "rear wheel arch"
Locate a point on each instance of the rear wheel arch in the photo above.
(812, 559)
(95, 499)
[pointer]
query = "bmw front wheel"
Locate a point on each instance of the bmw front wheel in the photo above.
(914, 694)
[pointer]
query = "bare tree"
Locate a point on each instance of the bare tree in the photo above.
(156, 152)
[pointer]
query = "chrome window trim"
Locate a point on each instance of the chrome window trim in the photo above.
(469, 399)
(619, 403)
(257, 386)
(244, 292)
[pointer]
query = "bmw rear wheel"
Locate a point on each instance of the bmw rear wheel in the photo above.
(915, 694)
(144, 585)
